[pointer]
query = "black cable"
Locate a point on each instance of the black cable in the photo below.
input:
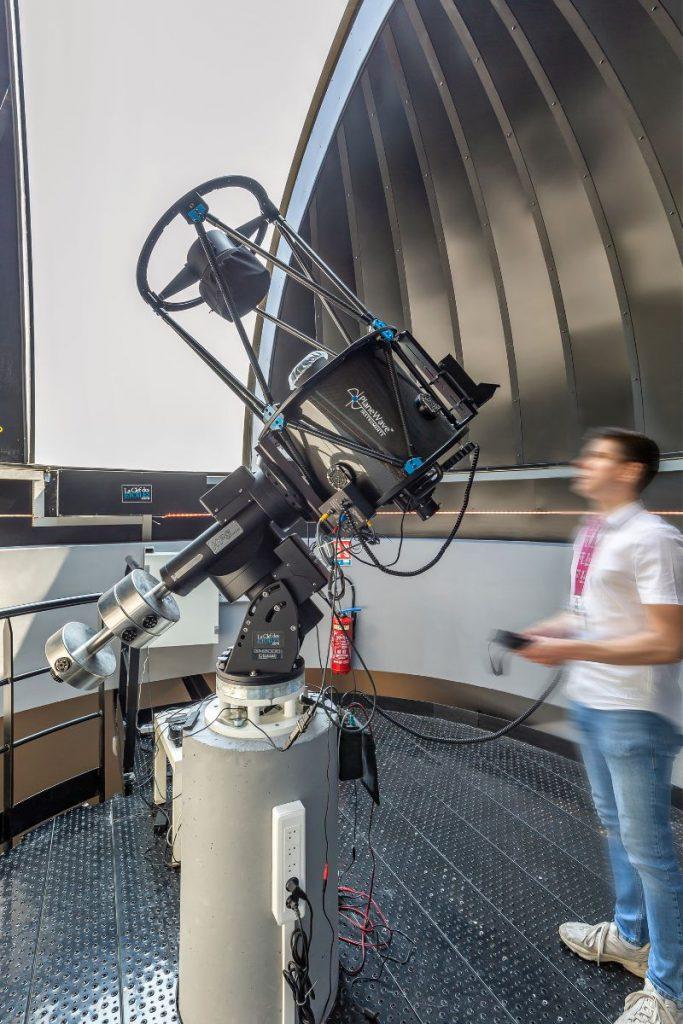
(445, 740)
(355, 830)
(297, 971)
(366, 670)
(470, 741)
(269, 738)
(406, 573)
(400, 542)
(370, 894)
(387, 565)
(333, 933)
(380, 945)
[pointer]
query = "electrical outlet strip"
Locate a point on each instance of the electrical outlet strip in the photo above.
(289, 856)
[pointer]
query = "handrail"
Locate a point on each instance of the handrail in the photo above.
(46, 606)
(25, 675)
(56, 728)
(8, 828)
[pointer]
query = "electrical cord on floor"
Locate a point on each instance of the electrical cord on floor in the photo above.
(368, 929)
(360, 911)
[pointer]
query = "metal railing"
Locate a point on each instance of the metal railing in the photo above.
(17, 818)
(129, 700)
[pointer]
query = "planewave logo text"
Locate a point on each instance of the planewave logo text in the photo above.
(375, 419)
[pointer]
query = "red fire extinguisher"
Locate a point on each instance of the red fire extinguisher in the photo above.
(340, 642)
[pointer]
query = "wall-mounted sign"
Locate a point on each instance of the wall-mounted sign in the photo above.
(136, 492)
(343, 548)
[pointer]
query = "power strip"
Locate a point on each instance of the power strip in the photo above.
(289, 856)
(289, 861)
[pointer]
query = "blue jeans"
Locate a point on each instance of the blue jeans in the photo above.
(629, 756)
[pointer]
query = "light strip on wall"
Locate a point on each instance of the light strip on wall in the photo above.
(441, 512)
(519, 512)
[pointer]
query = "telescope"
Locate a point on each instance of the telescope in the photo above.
(373, 424)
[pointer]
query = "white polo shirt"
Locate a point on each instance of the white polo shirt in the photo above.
(638, 561)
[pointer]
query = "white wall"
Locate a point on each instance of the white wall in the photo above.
(438, 624)
(128, 105)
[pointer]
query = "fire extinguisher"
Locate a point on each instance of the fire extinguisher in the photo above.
(340, 642)
(343, 627)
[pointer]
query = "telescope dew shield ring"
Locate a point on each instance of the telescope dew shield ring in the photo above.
(180, 209)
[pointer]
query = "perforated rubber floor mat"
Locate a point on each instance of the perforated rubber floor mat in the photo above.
(479, 853)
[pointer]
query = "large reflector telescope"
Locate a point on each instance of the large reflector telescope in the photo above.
(378, 422)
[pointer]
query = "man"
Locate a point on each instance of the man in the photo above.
(623, 638)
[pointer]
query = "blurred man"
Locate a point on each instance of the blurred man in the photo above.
(623, 636)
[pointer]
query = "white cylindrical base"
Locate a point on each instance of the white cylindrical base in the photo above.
(230, 944)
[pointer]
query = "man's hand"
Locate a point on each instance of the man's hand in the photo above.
(660, 642)
(545, 650)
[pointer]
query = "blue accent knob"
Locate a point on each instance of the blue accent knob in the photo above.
(412, 464)
(197, 213)
(388, 333)
(279, 421)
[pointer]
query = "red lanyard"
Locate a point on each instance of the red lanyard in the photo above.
(591, 535)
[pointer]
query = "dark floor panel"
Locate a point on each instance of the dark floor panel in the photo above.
(532, 808)
(481, 852)
(22, 887)
(546, 863)
(497, 763)
(147, 899)
(438, 981)
(530, 906)
(519, 976)
(526, 769)
(76, 978)
(567, 768)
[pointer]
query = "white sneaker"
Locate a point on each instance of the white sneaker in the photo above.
(648, 1007)
(603, 944)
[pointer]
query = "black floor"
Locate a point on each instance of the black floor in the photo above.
(480, 853)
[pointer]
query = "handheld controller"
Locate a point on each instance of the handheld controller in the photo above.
(510, 641)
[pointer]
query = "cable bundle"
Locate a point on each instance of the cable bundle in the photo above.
(367, 927)
(297, 971)
(361, 912)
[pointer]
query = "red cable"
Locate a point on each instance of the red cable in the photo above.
(367, 926)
